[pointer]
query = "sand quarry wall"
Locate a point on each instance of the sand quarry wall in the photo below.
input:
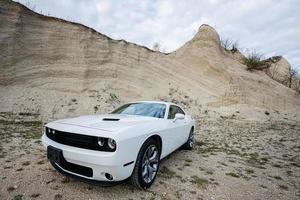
(54, 68)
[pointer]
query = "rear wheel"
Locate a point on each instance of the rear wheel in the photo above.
(146, 166)
(190, 142)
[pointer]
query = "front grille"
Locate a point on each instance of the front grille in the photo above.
(57, 158)
(77, 169)
(76, 140)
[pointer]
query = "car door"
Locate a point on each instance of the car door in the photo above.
(177, 128)
(185, 129)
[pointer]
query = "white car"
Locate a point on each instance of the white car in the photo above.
(127, 143)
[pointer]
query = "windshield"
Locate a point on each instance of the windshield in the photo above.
(144, 109)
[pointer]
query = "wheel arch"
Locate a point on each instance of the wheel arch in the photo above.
(156, 138)
(135, 177)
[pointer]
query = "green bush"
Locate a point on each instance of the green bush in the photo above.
(255, 61)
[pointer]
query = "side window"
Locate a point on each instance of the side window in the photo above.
(179, 110)
(173, 110)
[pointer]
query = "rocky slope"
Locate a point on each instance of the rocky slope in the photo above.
(54, 68)
(279, 69)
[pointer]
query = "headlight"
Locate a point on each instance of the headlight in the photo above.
(48, 130)
(106, 144)
(101, 141)
(111, 143)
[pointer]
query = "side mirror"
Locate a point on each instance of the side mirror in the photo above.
(178, 116)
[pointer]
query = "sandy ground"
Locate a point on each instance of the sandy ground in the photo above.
(233, 159)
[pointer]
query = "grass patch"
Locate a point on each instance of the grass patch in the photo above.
(40, 162)
(232, 174)
(255, 161)
(27, 129)
(187, 164)
(210, 172)
(10, 189)
(178, 195)
(188, 160)
(255, 61)
(264, 159)
(208, 148)
(201, 182)
(18, 197)
(166, 173)
(65, 180)
(26, 163)
(201, 169)
(277, 177)
(58, 197)
(35, 195)
(277, 165)
(249, 171)
(222, 163)
(283, 187)
(289, 173)
(233, 152)
(263, 186)
(295, 164)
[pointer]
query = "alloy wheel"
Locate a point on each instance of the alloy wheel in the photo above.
(150, 163)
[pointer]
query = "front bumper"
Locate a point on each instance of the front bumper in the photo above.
(99, 162)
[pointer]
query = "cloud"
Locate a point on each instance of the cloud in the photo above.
(269, 26)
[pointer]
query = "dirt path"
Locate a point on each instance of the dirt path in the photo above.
(232, 160)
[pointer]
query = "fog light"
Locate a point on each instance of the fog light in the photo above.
(109, 176)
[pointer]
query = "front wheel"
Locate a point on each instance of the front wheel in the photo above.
(146, 166)
(190, 142)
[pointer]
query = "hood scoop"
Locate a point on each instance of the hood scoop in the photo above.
(110, 119)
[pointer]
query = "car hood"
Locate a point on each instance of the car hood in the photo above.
(108, 122)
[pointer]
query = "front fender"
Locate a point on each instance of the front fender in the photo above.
(130, 147)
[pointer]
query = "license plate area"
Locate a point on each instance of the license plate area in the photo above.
(54, 154)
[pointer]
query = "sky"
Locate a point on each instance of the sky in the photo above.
(269, 27)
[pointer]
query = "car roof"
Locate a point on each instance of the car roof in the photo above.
(162, 102)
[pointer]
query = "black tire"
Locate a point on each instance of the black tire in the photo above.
(190, 142)
(137, 178)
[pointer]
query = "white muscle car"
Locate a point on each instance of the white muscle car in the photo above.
(127, 143)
